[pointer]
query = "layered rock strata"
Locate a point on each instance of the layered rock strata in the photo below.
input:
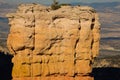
(53, 44)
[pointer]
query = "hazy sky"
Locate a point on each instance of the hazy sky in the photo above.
(61, 1)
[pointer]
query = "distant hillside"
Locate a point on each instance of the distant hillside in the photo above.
(6, 8)
(4, 29)
(3, 24)
(4, 5)
(102, 6)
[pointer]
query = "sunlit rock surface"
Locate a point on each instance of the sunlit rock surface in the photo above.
(53, 44)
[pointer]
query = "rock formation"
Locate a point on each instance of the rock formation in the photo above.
(53, 44)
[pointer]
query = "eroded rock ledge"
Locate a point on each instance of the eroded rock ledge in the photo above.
(53, 44)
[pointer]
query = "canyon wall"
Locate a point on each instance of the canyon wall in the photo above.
(53, 44)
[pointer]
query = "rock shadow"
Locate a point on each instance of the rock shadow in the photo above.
(5, 66)
(107, 73)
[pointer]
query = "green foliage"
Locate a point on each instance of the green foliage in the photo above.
(65, 4)
(55, 5)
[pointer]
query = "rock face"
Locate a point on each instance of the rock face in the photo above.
(53, 44)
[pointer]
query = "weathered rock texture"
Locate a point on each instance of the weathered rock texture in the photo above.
(53, 44)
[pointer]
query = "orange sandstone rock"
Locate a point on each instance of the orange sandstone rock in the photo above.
(53, 44)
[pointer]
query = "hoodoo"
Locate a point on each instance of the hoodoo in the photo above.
(53, 44)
